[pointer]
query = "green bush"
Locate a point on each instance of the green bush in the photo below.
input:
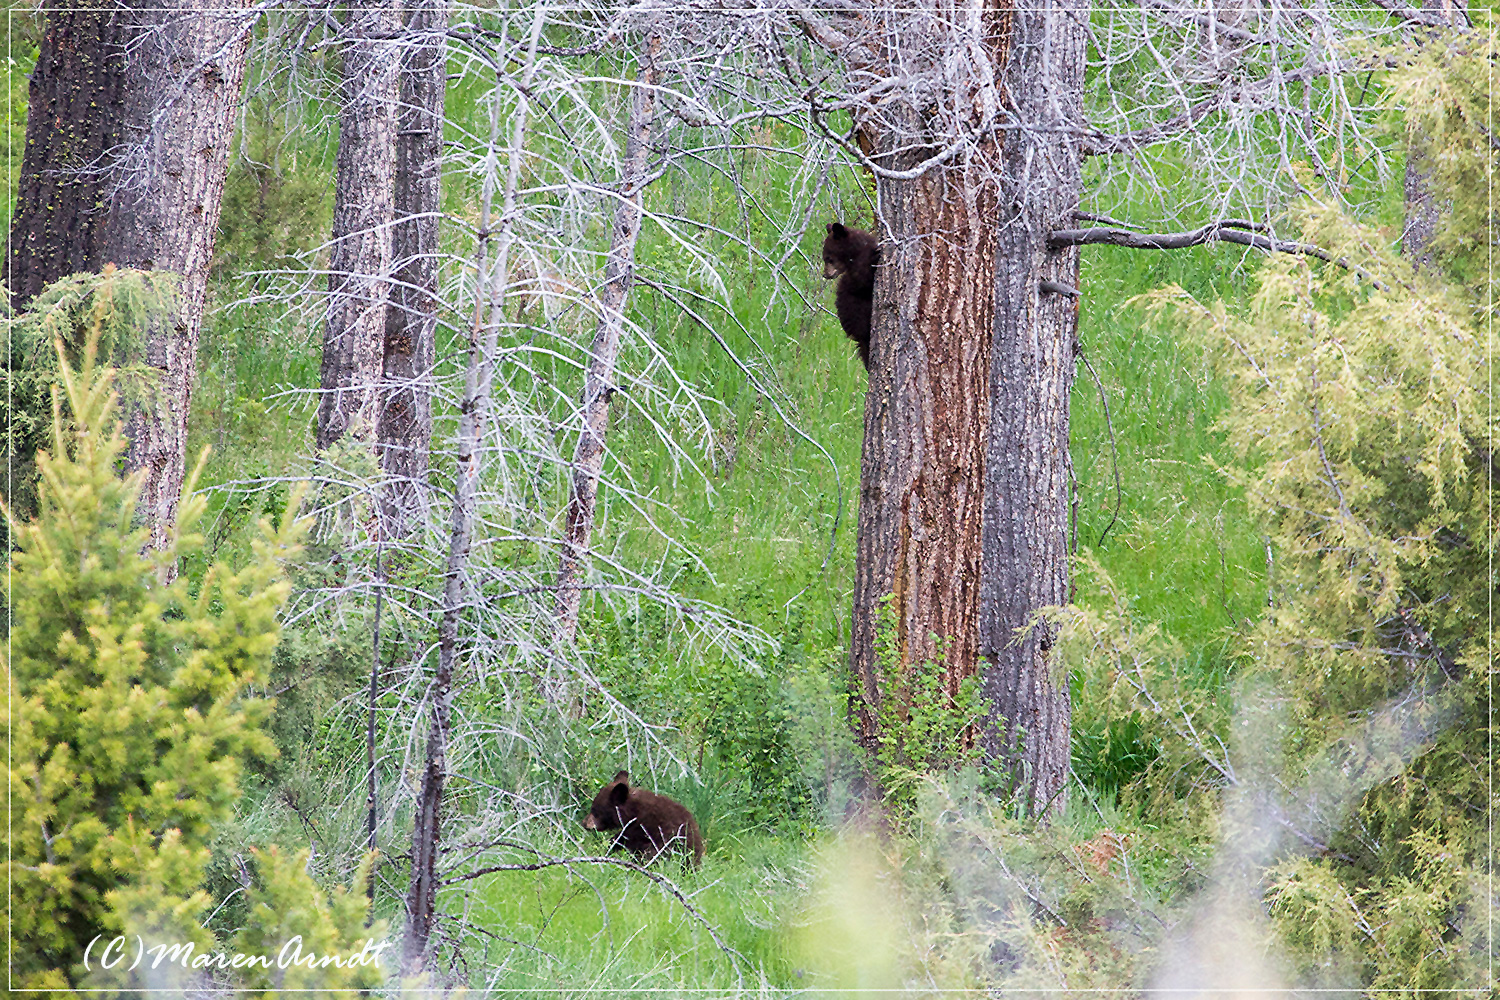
(924, 726)
(128, 726)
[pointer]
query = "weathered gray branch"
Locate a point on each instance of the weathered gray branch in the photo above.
(1415, 15)
(1103, 145)
(598, 387)
(493, 271)
(1224, 231)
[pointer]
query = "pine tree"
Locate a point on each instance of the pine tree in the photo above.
(1364, 417)
(128, 724)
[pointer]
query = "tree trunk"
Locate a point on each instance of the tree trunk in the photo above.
(128, 144)
(405, 424)
(922, 476)
(359, 266)
(184, 72)
(421, 896)
(126, 154)
(965, 469)
(1027, 469)
(1421, 208)
(598, 379)
(76, 109)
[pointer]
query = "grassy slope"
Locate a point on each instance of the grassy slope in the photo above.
(1181, 546)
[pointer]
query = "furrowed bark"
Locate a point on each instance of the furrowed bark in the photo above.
(921, 478)
(421, 898)
(185, 68)
(404, 426)
(965, 473)
(133, 111)
(405, 422)
(1027, 464)
(598, 387)
(359, 266)
(76, 101)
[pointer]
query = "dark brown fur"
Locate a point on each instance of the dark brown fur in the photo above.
(649, 824)
(851, 255)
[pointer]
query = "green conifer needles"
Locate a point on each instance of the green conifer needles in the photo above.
(127, 721)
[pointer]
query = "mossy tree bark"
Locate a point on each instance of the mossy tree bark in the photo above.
(359, 265)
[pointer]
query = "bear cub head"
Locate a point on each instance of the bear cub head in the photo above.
(649, 824)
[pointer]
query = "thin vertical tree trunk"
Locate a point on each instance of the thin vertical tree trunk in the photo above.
(185, 67)
(404, 429)
(421, 897)
(1421, 207)
(598, 379)
(76, 110)
(359, 266)
(405, 423)
(1027, 467)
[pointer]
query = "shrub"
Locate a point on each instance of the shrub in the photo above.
(128, 727)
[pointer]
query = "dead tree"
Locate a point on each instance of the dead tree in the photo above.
(405, 422)
(127, 151)
(598, 379)
(359, 265)
(492, 264)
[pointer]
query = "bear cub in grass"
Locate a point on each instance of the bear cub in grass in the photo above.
(649, 824)
(851, 255)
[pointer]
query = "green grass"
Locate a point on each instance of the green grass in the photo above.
(1181, 545)
(601, 927)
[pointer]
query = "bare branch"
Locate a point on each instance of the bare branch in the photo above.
(1214, 24)
(1225, 231)
(825, 35)
(1104, 145)
(1414, 15)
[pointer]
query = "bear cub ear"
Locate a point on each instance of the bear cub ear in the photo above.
(620, 793)
(837, 230)
(623, 777)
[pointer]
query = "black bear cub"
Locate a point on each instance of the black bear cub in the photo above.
(649, 824)
(851, 255)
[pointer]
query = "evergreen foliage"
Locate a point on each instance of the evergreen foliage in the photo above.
(109, 310)
(1364, 422)
(1446, 91)
(129, 723)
